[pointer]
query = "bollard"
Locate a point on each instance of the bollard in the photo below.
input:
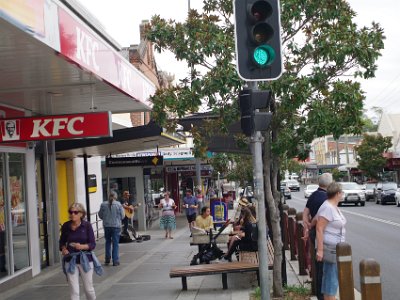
(301, 246)
(291, 226)
(345, 271)
(286, 227)
(370, 279)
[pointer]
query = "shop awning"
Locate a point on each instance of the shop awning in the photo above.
(52, 62)
(124, 140)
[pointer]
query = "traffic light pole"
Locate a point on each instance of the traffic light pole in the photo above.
(256, 148)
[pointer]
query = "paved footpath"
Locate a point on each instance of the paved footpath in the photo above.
(144, 274)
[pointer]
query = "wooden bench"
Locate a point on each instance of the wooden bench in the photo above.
(253, 257)
(211, 269)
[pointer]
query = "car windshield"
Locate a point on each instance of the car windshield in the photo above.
(370, 186)
(350, 186)
(292, 181)
(389, 186)
(312, 187)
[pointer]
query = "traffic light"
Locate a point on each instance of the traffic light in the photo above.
(249, 101)
(258, 39)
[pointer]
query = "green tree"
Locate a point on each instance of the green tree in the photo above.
(370, 154)
(324, 51)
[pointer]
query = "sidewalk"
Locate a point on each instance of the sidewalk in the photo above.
(144, 274)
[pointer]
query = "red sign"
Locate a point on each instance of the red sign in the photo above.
(55, 127)
(84, 47)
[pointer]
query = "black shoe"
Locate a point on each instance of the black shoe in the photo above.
(116, 263)
(228, 258)
(107, 262)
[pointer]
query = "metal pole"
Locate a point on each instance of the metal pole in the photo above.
(198, 173)
(256, 148)
(85, 167)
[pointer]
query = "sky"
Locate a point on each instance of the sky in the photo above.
(121, 19)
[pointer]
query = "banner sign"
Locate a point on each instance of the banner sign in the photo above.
(55, 127)
(134, 161)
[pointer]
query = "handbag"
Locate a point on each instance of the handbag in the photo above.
(329, 253)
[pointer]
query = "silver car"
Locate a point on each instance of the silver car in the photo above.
(311, 188)
(293, 185)
(352, 193)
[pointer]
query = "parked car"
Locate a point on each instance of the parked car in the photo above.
(293, 185)
(352, 193)
(370, 191)
(285, 190)
(386, 192)
(311, 188)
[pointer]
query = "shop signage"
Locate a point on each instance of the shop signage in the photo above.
(84, 47)
(134, 161)
(174, 169)
(55, 127)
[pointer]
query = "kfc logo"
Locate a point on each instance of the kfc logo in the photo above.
(10, 130)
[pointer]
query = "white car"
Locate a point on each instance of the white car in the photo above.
(311, 188)
(293, 185)
(352, 193)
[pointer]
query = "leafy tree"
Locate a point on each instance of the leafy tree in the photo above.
(241, 170)
(370, 154)
(324, 50)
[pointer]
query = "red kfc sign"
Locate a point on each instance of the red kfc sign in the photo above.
(56, 127)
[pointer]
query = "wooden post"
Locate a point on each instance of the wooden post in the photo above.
(286, 227)
(370, 279)
(313, 268)
(301, 244)
(345, 271)
(292, 232)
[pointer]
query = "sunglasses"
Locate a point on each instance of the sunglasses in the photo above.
(74, 212)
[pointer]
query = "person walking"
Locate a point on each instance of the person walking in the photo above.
(112, 213)
(167, 220)
(191, 204)
(76, 245)
(330, 231)
(313, 204)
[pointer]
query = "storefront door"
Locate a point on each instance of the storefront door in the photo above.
(42, 214)
(14, 246)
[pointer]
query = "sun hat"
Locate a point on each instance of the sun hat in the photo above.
(243, 201)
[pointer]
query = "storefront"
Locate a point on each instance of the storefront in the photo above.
(54, 62)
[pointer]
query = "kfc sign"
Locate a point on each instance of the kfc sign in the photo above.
(56, 127)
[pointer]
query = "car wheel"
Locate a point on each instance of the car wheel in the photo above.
(362, 203)
(290, 197)
(382, 202)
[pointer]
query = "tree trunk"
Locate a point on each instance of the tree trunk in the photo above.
(270, 187)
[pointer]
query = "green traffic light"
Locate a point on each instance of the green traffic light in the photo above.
(264, 55)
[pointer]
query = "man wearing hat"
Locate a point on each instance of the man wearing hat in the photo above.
(126, 202)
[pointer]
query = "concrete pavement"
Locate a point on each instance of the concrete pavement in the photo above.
(144, 274)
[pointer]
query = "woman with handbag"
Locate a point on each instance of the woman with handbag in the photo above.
(330, 232)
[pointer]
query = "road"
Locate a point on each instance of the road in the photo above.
(373, 232)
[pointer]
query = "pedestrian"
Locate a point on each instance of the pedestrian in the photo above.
(112, 213)
(200, 198)
(314, 202)
(191, 204)
(167, 220)
(76, 245)
(330, 231)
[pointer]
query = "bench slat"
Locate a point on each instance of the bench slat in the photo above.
(212, 269)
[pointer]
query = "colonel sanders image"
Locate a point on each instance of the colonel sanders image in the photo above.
(10, 130)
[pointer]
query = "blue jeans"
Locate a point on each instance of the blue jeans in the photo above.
(111, 235)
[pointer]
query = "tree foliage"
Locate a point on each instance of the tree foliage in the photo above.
(370, 154)
(324, 51)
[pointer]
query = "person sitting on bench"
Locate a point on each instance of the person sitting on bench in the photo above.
(243, 238)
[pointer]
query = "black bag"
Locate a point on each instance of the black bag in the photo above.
(254, 232)
(124, 239)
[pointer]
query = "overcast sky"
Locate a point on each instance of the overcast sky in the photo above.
(121, 19)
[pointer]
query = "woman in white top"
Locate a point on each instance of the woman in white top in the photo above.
(167, 220)
(330, 231)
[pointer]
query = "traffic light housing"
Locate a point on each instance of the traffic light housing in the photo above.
(249, 101)
(258, 39)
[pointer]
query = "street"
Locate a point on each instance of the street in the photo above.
(372, 232)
